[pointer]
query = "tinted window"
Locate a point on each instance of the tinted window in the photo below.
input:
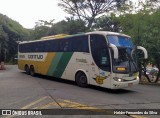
(71, 44)
(100, 51)
(80, 44)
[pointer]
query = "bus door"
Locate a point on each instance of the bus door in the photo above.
(100, 64)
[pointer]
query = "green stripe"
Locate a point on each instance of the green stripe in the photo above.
(62, 64)
(54, 63)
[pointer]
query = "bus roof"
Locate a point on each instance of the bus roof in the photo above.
(108, 33)
(59, 36)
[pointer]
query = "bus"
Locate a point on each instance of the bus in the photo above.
(100, 58)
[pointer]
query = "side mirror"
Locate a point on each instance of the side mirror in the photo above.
(115, 50)
(144, 51)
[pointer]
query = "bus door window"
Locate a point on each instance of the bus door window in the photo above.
(104, 59)
(100, 52)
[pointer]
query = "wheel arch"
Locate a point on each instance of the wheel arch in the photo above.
(31, 66)
(26, 65)
(82, 71)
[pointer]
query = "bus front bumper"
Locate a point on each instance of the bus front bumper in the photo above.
(119, 85)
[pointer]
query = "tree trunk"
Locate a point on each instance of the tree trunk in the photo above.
(158, 76)
(146, 75)
(157, 60)
(90, 22)
(144, 69)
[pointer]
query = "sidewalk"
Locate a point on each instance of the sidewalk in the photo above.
(150, 83)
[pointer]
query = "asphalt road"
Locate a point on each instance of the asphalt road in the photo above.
(21, 91)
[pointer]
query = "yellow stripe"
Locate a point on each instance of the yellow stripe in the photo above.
(45, 65)
(47, 105)
(78, 105)
(136, 116)
(33, 103)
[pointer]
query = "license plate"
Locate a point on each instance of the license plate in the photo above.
(130, 84)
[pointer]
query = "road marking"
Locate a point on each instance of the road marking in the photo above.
(136, 116)
(47, 105)
(29, 105)
(68, 104)
(78, 105)
(18, 101)
(71, 104)
(34, 102)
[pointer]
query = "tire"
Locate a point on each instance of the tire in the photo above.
(81, 79)
(27, 70)
(32, 72)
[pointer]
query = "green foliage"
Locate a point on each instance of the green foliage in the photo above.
(39, 31)
(70, 26)
(106, 23)
(13, 26)
(10, 32)
(144, 29)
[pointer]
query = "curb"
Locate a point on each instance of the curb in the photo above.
(147, 83)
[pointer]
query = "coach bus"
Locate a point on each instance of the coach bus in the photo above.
(101, 58)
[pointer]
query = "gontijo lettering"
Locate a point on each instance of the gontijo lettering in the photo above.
(21, 56)
(35, 56)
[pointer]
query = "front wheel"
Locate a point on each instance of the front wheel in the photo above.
(81, 79)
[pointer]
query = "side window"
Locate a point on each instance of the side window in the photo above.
(80, 44)
(100, 51)
(65, 45)
(50, 46)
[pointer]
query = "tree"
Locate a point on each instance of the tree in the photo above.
(10, 32)
(41, 29)
(88, 10)
(107, 23)
(39, 32)
(68, 26)
(3, 43)
(152, 39)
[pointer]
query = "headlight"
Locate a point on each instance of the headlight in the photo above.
(137, 77)
(117, 79)
(120, 80)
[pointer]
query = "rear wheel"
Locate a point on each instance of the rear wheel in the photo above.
(81, 79)
(32, 72)
(27, 70)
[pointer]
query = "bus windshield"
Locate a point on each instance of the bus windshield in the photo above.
(125, 47)
(120, 41)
